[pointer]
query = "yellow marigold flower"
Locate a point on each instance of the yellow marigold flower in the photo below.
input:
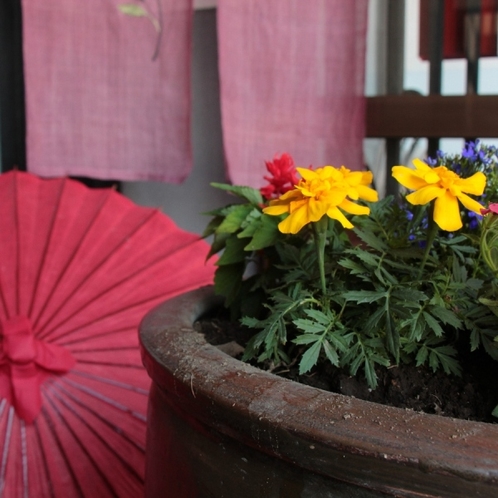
(358, 182)
(320, 192)
(443, 185)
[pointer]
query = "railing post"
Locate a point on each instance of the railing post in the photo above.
(436, 39)
(395, 73)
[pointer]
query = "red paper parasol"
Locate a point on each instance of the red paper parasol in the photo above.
(79, 268)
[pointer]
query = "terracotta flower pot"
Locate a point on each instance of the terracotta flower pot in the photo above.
(221, 428)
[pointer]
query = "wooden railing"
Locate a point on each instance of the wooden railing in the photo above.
(432, 116)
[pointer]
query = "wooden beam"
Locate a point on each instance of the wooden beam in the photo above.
(432, 116)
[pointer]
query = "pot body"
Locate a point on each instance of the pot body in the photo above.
(221, 428)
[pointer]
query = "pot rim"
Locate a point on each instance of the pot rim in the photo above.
(199, 378)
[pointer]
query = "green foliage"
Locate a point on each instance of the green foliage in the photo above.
(387, 298)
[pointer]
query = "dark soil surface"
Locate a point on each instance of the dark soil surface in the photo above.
(472, 396)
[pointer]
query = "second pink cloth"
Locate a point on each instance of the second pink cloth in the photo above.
(292, 80)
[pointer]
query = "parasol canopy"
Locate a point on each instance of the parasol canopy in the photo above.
(79, 268)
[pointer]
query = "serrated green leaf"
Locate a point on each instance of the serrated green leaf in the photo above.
(492, 304)
(490, 346)
(266, 234)
(455, 240)
(409, 294)
(374, 319)
(250, 224)
(356, 364)
(306, 339)
(370, 374)
(308, 326)
(251, 322)
(367, 258)
(416, 326)
(331, 353)
(433, 324)
(132, 9)
(475, 339)
(235, 218)
(446, 316)
(421, 357)
(371, 240)
(433, 361)
(338, 341)
(392, 335)
(250, 194)
(352, 265)
(385, 277)
(364, 296)
(318, 316)
(309, 358)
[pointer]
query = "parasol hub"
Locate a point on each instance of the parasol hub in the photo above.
(25, 362)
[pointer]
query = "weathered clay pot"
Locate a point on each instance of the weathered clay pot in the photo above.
(221, 428)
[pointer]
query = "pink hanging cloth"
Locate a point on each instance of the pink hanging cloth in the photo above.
(292, 80)
(108, 92)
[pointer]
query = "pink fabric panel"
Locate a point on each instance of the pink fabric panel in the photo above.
(97, 103)
(292, 80)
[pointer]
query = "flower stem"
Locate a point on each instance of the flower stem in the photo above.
(431, 235)
(320, 235)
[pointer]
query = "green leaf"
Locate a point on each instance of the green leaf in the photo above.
(250, 224)
(233, 253)
(446, 316)
(331, 353)
(392, 335)
(250, 194)
(212, 226)
(251, 322)
(433, 324)
(131, 9)
(475, 339)
(349, 264)
(306, 339)
(433, 361)
(416, 326)
(370, 374)
(443, 355)
(235, 218)
(370, 239)
(308, 326)
(227, 281)
(492, 304)
(218, 244)
(318, 316)
(495, 411)
(265, 235)
(409, 294)
(421, 357)
(309, 358)
(367, 258)
(364, 296)
(374, 319)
